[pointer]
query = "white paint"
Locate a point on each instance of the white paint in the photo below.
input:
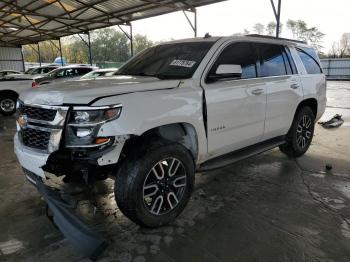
(11, 246)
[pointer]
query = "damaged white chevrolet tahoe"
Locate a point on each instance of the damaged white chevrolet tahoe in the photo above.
(174, 109)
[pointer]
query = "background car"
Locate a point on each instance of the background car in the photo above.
(4, 73)
(63, 74)
(100, 73)
(32, 72)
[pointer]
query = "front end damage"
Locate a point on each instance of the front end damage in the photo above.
(65, 143)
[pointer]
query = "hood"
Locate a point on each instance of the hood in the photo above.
(84, 91)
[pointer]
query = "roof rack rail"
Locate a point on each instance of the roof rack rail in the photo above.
(279, 38)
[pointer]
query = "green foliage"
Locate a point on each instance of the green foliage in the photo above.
(107, 45)
(141, 42)
(301, 31)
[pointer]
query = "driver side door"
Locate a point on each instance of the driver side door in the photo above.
(235, 106)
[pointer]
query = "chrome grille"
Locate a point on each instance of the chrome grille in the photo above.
(43, 114)
(35, 138)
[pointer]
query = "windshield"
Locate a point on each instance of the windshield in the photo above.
(56, 72)
(168, 61)
(95, 74)
(36, 71)
(29, 70)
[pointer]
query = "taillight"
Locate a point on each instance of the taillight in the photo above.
(35, 84)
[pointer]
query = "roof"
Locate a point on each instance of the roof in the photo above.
(30, 21)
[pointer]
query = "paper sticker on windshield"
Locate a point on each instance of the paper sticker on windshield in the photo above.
(183, 63)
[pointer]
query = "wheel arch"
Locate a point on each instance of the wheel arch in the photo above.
(310, 102)
(8, 92)
(182, 133)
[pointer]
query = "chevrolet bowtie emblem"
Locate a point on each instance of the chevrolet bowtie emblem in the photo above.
(22, 121)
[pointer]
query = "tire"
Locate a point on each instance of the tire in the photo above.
(300, 135)
(140, 181)
(7, 105)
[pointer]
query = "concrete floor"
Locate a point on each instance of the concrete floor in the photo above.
(267, 208)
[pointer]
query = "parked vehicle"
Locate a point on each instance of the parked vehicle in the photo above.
(100, 73)
(60, 60)
(63, 74)
(4, 73)
(32, 72)
(173, 109)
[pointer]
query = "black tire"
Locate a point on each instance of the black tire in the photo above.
(7, 105)
(137, 170)
(300, 135)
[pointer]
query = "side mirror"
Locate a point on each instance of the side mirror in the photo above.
(226, 71)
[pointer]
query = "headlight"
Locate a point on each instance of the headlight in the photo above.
(84, 124)
(94, 116)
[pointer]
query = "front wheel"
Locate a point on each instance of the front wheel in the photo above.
(300, 134)
(153, 187)
(7, 105)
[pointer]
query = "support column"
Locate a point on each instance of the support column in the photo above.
(277, 14)
(129, 36)
(59, 42)
(195, 22)
(192, 24)
(90, 53)
(131, 41)
(39, 54)
(23, 64)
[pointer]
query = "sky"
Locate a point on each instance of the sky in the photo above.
(233, 16)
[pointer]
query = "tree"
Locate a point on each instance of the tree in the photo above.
(271, 29)
(75, 51)
(259, 28)
(341, 48)
(141, 42)
(301, 31)
(108, 44)
(344, 45)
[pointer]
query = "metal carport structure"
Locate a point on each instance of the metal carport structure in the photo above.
(32, 21)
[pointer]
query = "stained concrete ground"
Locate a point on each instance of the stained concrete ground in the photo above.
(266, 208)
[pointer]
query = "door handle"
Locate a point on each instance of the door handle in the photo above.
(294, 86)
(258, 91)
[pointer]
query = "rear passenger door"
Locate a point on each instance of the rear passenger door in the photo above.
(282, 84)
(235, 106)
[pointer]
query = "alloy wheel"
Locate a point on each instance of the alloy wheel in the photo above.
(7, 105)
(304, 132)
(164, 186)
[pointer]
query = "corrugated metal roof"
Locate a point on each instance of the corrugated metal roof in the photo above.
(30, 21)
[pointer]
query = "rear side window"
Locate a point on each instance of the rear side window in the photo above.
(238, 54)
(271, 60)
(83, 71)
(309, 58)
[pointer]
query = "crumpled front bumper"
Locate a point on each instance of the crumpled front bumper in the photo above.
(78, 234)
(30, 159)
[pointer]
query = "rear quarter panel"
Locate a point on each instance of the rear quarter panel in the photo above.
(314, 85)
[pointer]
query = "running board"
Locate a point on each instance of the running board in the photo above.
(240, 154)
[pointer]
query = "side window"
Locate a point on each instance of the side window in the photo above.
(238, 54)
(83, 71)
(61, 73)
(310, 63)
(271, 60)
(45, 70)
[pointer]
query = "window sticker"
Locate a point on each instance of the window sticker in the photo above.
(183, 63)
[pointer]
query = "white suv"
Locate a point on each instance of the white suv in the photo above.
(174, 109)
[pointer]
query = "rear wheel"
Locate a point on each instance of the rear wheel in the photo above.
(300, 134)
(7, 105)
(153, 187)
